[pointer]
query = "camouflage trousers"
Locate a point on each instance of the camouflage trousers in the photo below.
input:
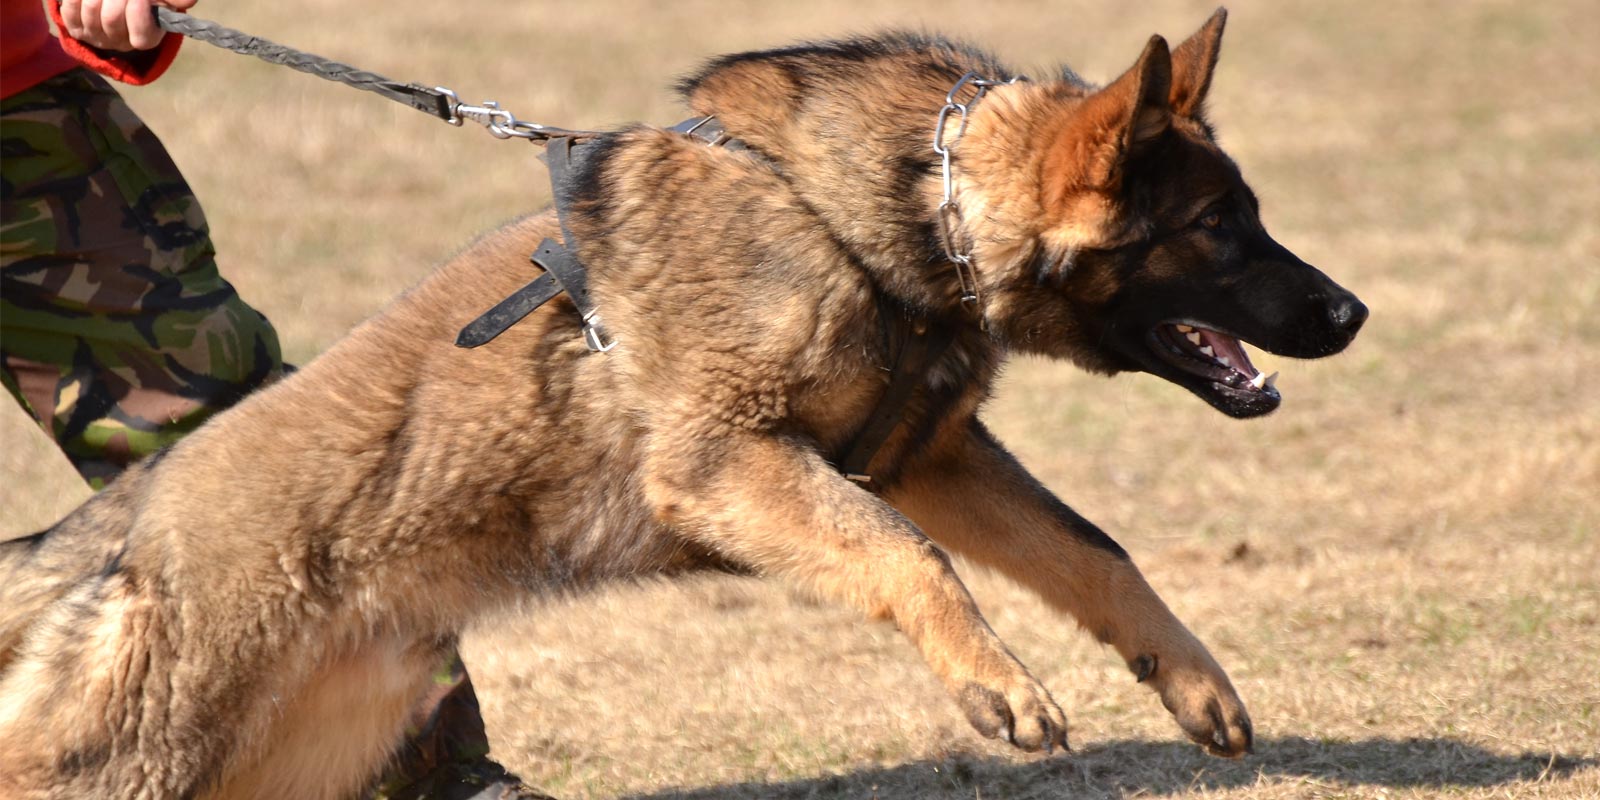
(118, 335)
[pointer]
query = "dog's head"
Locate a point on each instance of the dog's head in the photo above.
(1110, 229)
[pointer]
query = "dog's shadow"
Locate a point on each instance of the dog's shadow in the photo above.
(1120, 769)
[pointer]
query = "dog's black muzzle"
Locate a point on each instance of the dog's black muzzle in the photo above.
(1192, 331)
(1290, 308)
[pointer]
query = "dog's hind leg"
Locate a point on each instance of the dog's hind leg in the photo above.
(86, 706)
(972, 496)
(117, 693)
(38, 570)
(779, 507)
(24, 593)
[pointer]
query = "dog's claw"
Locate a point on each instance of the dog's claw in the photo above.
(1024, 716)
(1228, 739)
(1143, 667)
(1203, 702)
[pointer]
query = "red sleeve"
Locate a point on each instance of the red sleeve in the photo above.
(138, 68)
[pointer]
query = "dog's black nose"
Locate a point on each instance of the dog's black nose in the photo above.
(1347, 313)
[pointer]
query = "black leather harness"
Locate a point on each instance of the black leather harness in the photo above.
(919, 345)
(919, 350)
(563, 272)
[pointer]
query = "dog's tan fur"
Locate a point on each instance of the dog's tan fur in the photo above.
(250, 614)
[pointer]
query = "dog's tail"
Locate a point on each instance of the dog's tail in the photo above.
(38, 570)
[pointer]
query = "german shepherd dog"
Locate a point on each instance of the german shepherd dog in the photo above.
(252, 612)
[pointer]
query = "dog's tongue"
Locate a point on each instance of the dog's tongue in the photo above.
(1228, 350)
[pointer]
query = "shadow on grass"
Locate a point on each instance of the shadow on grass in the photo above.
(1117, 769)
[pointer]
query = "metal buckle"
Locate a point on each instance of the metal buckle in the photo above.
(594, 334)
(703, 120)
(720, 138)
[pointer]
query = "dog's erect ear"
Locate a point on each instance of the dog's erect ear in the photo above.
(1114, 123)
(1192, 65)
(1081, 174)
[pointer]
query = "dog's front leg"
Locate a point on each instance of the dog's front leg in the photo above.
(777, 506)
(972, 496)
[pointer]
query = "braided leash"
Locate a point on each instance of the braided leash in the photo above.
(438, 102)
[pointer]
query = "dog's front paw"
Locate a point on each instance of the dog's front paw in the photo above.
(1018, 710)
(1202, 699)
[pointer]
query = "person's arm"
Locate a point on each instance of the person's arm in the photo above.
(118, 38)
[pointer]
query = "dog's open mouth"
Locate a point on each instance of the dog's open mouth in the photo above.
(1217, 368)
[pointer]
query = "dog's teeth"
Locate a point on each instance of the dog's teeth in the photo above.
(1259, 380)
(1185, 329)
(1226, 362)
(1271, 381)
(1194, 338)
(1208, 351)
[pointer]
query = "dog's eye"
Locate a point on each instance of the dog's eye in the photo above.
(1211, 221)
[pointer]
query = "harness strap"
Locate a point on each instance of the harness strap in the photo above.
(509, 311)
(558, 159)
(563, 272)
(920, 350)
(562, 269)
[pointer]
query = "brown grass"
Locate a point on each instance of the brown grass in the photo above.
(1399, 567)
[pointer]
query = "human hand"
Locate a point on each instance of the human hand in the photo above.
(117, 24)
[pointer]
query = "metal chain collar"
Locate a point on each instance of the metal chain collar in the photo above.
(950, 221)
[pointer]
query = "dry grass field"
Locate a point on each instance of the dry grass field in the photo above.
(1400, 568)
